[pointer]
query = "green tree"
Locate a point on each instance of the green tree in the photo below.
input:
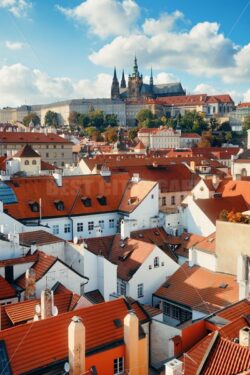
(225, 127)
(90, 131)
(143, 115)
(110, 135)
(111, 120)
(51, 119)
(31, 117)
(96, 119)
(132, 133)
(246, 124)
(73, 118)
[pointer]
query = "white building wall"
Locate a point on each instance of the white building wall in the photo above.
(106, 277)
(204, 259)
(195, 221)
(90, 271)
(201, 191)
(152, 278)
(60, 272)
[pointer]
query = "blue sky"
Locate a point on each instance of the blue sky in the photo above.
(53, 50)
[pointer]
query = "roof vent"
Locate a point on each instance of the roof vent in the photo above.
(102, 200)
(86, 201)
(117, 323)
(156, 233)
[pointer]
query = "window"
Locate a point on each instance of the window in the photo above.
(176, 312)
(62, 146)
(54, 146)
(79, 227)
(118, 366)
(140, 290)
(163, 202)
(34, 162)
(62, 163)
(156, 262)
(173, 200)
(102, 200)
(90, 225)
(101, 223)
(123, 288)
(26, 162)
(86, 201)
(152, 196)
(55, 229)
(182, 197)
(67, 228)
(111, 223)
(62, 154)
(59, 205)
(47, 155)
(34, 206)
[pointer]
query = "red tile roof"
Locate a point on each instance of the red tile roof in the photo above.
(25, 339)
(233, 188)
(20, 260)
(43, 263)
(199, 289)
(212, 207)
(208, 244)
(71, 192)
(31, 138)
(199, 99)
(6, 290)
(188, 240)
(234, 311)
(40, 237)
(244, 105)
(27, 152)
(140, 146)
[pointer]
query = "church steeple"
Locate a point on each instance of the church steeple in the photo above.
(123, 81)
(151, 81)
(115, 91)
(136, 72)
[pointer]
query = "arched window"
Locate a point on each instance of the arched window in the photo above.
(26, 162)
(156, 262)
(34, 162)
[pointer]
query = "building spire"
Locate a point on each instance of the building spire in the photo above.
(115, 91)
(123, 81)
(115, 76)
(151, 81)
(136, 67)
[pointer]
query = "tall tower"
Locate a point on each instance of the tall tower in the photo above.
(115, 91)
(123, 81)
(151, 83)
(135, 82)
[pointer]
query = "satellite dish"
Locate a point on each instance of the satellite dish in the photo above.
(66, 366)
(38, 309)
(54, 311)
(75, 240)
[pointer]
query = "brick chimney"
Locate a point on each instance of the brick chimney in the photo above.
(243, 276)
(173, 367)
(30, 284)
(46, 303)
(76, 346)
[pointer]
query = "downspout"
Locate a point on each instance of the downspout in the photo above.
(69, 215)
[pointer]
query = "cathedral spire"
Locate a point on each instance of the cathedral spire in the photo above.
(115, 91)
(123, 81)
(151, 81)
(136, 68)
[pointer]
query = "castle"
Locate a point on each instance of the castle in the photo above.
(136, 89)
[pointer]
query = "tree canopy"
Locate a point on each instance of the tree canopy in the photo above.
(31, 117)
(51, 119)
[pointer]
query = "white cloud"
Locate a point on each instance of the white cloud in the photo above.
(246, 96)
(16, 7)
(162, 78)
(13, 45)
(204, 88)
(166, 22)
(105, 17)
(19, 84)
(201, 51)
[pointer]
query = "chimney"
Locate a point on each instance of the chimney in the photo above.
(215, 181)
(244, 337)
(135, 178)
(248, 139)
(192, 257)
(131, 338)
(76, 346)
(243, 276)
(58, 179)
(125, 229)
(173, 367)
(105, 171)
(30, 284)
(46, 303)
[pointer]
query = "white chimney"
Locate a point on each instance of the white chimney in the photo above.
(105, 172)
(58, 179)
(76, 346)
(135, 178)
(173, 367)
(248, 139)
(244, 336)
(33, 247)
(125, 229)
(243, 276)
(215, 181)
(192, 257)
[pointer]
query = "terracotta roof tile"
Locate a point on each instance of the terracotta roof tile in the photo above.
(21, 260)
(6, 290)
(208, 244)
(30, 137)
(27, 152)
(100, 331)
(234, 311)
(94, 296)
(188, 240)
(234, 188)
(199, 289)
(40, 237)
(212, 207)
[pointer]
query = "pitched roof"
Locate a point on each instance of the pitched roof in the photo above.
(208, 244)
(212, 207)
(30, 137)
(72, 192)
(199, 289)
(43, 263)
(188, 240)
(128, 254)
(139, 146)
(26, 152)
(101, 331)
(234, 311)
(233, 188)
(95, 296)
(6, 290)
(20, 260)
(40, 237)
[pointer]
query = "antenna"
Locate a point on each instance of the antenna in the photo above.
(66, 367)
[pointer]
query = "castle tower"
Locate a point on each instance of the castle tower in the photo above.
(115, 91)
(151, 83)
(123, 81)
(135, 82)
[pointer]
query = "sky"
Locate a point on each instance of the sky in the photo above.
(55, 50)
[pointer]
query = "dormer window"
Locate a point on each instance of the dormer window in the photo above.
(102, 200)
(86, 201)
(34, 206)
(59, 205)
(26, 162)
(33, 162)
